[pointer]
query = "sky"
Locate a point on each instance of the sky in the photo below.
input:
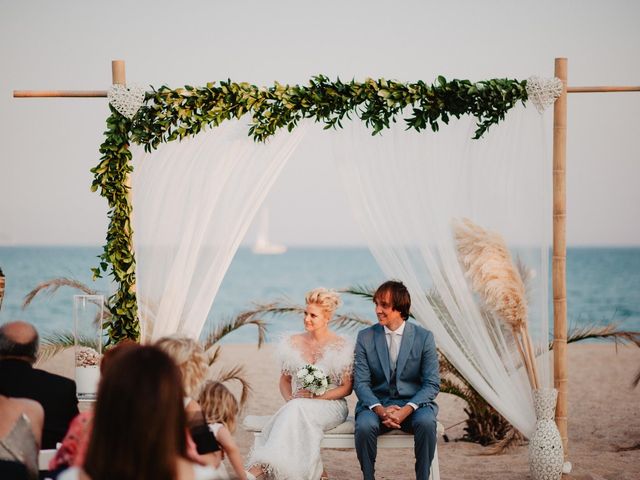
(47, 146)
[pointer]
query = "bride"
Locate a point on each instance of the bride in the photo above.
(290, 444)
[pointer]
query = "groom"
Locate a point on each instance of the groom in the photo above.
(396, 380)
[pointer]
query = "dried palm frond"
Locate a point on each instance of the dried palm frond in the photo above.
(603, 332)
(364, 291)
(349, 322)
(493, 275)
(511, 439)
(484, 424)
(225, 327)
(286, 307)
(212, 353)
(52, 344)
(453, 388)
(51, 286)
(454, 383)
(278, 307)
(237, 374)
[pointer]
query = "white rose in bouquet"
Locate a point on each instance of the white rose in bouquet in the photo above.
(313, 379)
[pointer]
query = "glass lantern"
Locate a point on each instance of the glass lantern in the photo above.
(87, 318)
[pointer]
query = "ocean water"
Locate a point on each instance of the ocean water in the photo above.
(603, 284)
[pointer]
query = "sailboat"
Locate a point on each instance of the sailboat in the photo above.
(263, 246)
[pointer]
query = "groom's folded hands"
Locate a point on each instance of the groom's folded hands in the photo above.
(399, 414)
(394, 415)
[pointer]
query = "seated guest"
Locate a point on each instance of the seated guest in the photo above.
(18, 378)
(221, 410)
(193, 365)
(74, 444)
(21, 422)
(139, 423)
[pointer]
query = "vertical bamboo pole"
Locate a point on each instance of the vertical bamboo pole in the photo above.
(559, 263)
(118, 73)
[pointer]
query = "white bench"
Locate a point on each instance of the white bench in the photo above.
(342, 437)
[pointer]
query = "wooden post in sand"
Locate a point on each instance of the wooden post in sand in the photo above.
(559, 262)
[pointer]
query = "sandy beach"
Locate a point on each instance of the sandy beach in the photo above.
(604, 415)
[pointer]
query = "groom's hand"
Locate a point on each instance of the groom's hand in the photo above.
(385, 415)
(391, 420)
(380, 411)
(400, 414)
(390, 423)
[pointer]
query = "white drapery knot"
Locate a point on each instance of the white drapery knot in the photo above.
(543, 91)
(126, 99)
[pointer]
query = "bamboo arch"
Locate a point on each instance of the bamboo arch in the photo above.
(559, 212)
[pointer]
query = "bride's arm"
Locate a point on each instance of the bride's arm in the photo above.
(341, 391)
(285, 387)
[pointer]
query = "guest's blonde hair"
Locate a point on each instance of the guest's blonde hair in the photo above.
(190, 358)
(219, 405)
(328, 300)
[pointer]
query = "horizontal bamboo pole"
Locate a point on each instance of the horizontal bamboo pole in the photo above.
(59, 93)
(602, 89)
(117, 76)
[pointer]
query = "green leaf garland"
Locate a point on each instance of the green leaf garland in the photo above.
(110, 177)
(173, 114)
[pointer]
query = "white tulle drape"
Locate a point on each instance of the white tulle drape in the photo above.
(406, 190)
(193, 202)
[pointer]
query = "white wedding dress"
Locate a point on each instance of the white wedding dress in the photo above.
(289, 448)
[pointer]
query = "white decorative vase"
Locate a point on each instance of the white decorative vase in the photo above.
(88, 312)
(546, 455)
(87, 379)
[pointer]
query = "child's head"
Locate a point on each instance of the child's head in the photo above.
(218, 404)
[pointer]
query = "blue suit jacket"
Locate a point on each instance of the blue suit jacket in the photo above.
(417, 376)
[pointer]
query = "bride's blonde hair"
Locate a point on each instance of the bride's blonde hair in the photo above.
(328, 300)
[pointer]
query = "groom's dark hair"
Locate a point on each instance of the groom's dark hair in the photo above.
(400, 298)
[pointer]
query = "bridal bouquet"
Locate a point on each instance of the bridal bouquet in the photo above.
(313, 379)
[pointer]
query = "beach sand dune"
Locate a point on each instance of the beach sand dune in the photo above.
(604, 415)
